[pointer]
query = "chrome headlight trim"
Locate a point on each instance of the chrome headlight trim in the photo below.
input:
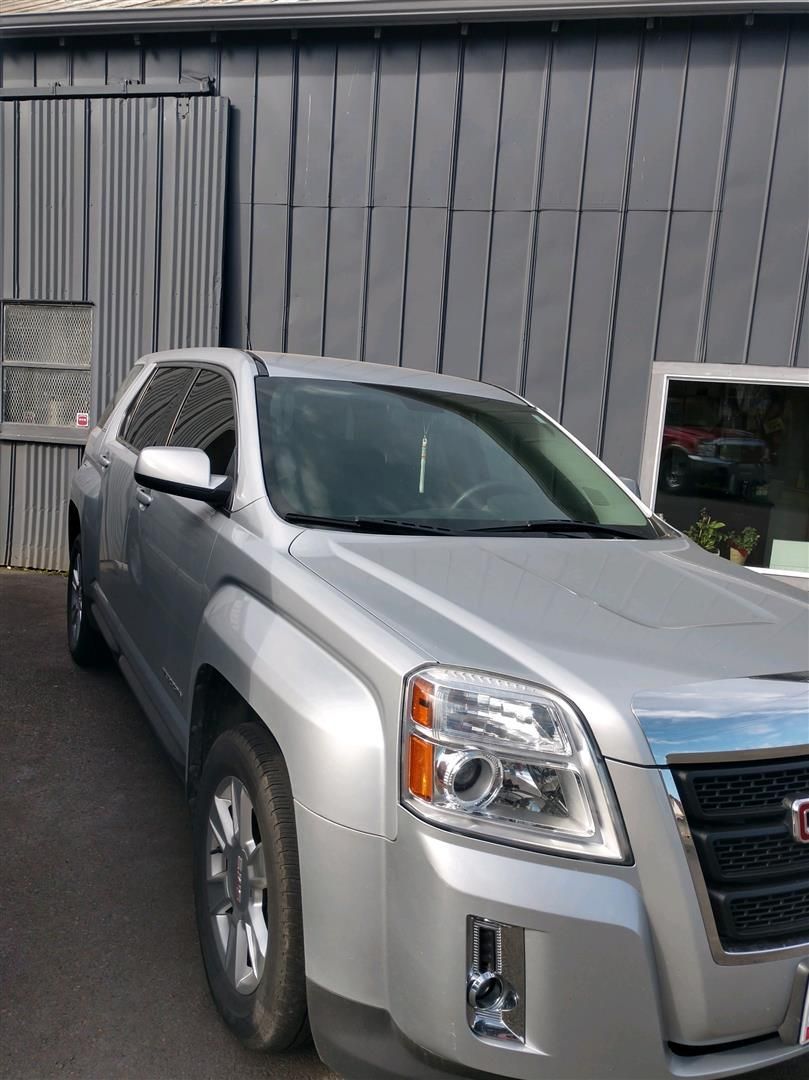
(582, 762)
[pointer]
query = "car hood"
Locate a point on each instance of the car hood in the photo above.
(598, 620)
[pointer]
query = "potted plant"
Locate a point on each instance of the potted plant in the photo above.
(741, 543)
(706, 531)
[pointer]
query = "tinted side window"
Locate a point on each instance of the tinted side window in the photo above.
(207, 420)
(150, 419)
(119, 393)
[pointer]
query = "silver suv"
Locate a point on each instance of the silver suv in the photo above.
(492, 771)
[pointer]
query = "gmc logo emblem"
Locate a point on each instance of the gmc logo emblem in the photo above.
(799, 812)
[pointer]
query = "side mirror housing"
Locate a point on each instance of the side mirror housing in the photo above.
(181, 470)
(633, 485)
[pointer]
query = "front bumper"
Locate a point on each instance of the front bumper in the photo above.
(386, 958)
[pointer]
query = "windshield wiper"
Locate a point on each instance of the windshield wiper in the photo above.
(365, 524)
(561, 526)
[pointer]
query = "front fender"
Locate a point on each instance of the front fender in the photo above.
(85, 494)
(327, 720)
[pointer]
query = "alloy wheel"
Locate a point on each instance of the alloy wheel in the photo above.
(237, 885)
(75, 599)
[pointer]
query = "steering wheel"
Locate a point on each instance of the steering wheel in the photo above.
(491, 487)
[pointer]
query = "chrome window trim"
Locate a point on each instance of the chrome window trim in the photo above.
(662, 374)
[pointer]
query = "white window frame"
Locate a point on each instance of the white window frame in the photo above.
(662, 374)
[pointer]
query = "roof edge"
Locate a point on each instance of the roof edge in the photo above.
(333, 13)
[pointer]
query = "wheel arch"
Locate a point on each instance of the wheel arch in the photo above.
(252, 662)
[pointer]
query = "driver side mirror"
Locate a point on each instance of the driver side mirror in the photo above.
(633, 485)
(184, 471)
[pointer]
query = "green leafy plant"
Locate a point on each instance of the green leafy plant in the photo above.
(744, 540)
(706, 531)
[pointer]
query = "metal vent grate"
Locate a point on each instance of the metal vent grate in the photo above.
(60, 334)
(45, 396)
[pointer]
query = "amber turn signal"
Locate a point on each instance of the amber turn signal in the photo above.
(420, 768)
(421, 702)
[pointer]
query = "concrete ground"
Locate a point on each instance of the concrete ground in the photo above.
(100, 973)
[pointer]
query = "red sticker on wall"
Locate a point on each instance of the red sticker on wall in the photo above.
(82, 419)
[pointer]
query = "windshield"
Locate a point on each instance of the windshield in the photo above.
(343, 450)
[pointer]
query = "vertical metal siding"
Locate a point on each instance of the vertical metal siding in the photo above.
(116, 201)
(551, 209)
(40, 485)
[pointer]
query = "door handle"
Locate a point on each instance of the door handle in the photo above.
(105, 460)
(143, 497)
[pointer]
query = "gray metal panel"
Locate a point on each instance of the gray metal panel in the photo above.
(568, 122)
(315, 124)
(51, 200)
(440, 77)
(353, 113)
(7, 451)
(384, 298)
(191, 221)
(479, 123)
(522, 118)
(502, 339)
(124, 164)
(396, 102)
(307, 272)
(8, 198)
(41, 486)
(344, 281)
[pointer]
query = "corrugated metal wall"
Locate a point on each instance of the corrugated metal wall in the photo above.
(118, 202)
(551, 209)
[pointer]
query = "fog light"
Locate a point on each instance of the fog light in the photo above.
(495, 985)
(485, 991)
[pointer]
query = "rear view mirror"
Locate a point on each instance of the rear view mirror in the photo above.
(181, 470)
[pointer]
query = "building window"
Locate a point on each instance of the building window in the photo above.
(735, 444)
(47, 351)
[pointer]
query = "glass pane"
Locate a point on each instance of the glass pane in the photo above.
(150, 420)
(453, 461)
(741, 452)
(206, 420)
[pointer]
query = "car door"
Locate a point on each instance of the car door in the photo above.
(177, 536)
(147, 422)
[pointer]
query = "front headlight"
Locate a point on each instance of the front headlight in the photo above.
(506, 761)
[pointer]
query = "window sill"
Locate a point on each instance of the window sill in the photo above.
(42, 433)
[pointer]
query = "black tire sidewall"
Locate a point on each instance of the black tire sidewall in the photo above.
(274, 1014)
(87, 648)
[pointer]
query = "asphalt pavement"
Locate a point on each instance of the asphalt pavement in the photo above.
(100, 972)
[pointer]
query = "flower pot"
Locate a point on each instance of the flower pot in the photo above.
(738, 555)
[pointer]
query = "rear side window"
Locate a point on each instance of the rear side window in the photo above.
(207, 420)
(149, 419)
(119, 393)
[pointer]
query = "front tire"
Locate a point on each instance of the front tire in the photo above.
(247, 890)
(83, 639)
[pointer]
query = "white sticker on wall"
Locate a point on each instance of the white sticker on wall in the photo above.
(82, 419)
